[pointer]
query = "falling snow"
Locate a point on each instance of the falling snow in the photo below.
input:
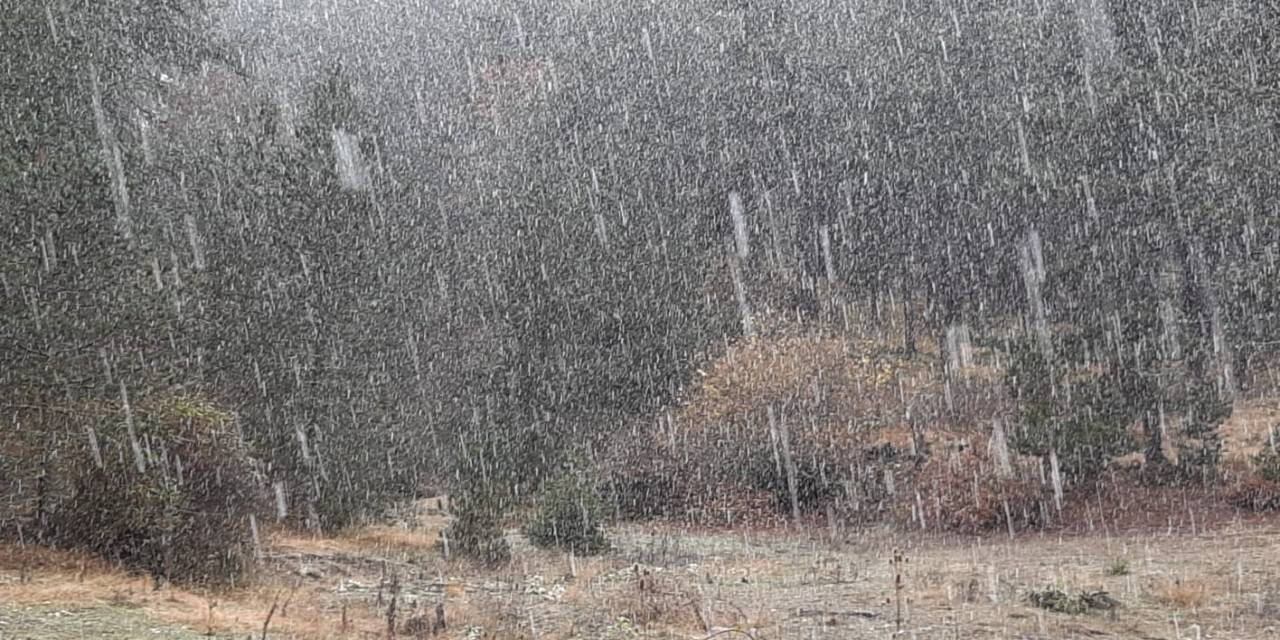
(588, 319)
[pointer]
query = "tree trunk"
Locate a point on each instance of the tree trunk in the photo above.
(908, 323)
(784, 435)
(1154, 452)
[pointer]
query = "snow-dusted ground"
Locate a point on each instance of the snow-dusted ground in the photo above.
(673, 583)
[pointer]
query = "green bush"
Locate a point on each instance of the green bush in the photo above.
(476, 531)
(568, 518)
(182, 514)
(1078, 413)
(1061, 602)
(1201, 450)
(1267, 464)
(1118, 567)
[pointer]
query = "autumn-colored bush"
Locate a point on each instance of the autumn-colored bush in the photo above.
(1260, 490)
(165, 487)
(965, 491)
(1256, 493)
(830, 393)
(833, 411)
(808, 404)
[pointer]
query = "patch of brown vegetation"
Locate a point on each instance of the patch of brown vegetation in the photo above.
(671, 603)
(15, 557)
(966, 492)
(1256, 494)
(1247, 431)
(846, 405)
(372, 539)
(1185, 593)
(58, 578)
(589, 571)
(827, 377)
(1126, 501)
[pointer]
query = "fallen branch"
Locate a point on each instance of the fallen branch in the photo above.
(806, 613)
(724, 632)
(284, 609)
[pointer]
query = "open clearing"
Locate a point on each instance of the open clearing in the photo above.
(662, 582)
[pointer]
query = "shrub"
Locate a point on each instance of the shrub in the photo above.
(476, 531)
(182, 515)
(814, 481)
(962, 492)
(1256, 494)
(1267, 464)
(1261, 490)
(1086, 427)
(1060, 602)
(707, 483)
(1200, 449)
(568, 518)
(647, 488)
(835, 401)
(1118, 567)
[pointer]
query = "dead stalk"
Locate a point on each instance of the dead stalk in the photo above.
(267, 623)
(284, 608)
(213, 604)
(899, 585)
(391, 609)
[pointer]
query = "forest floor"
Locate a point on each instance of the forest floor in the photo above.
(1197, 575)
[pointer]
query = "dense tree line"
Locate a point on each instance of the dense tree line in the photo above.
(507, 237)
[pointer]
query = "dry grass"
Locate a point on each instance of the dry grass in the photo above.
(302, 610)
(580, 590)
(15, 558)
(60, 578)
(1246, 432)
(653, 603)
(1194, 592)
(785, 585)
(672, 604)
(368, 540)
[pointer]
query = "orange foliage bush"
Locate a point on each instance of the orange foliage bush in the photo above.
(830, 397)
(845, 404)
(840, 384)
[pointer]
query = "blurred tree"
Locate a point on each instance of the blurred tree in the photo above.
(1072, 412)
